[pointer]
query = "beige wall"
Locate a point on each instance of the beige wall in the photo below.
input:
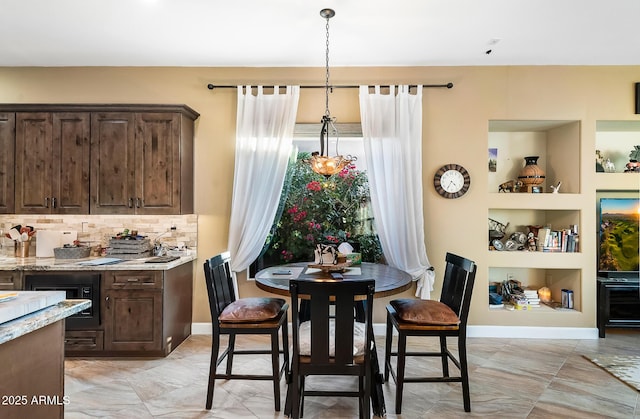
(455, 131)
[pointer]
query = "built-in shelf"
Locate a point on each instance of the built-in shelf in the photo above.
(545, 201)
(557, 144)
(618, 181)
(525, 259)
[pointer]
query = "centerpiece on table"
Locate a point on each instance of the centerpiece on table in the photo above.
(329, 259)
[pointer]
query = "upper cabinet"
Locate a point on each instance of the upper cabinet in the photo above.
(99, 159)
(144, 163)
(52, 163)
(7, 145)
(113, 154)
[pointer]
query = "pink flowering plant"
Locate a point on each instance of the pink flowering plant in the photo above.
(314, 209)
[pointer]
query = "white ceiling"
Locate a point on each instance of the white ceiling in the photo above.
(291, 32)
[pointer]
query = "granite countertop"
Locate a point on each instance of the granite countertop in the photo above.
(21, 326)
(8, 263)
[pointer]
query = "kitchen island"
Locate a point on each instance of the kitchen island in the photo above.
(32, 354)
(139, 308)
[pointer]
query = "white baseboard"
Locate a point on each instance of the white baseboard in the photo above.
(513, 332)
(531, 332)
(201, 328)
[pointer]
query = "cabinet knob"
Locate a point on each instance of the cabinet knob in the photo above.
(133, 279)
(46, 202)
(53, 202)
(138, 202)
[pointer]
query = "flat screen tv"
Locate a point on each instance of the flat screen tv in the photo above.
(618, 253)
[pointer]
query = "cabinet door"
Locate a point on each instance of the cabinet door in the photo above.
(10, 280)
(112, 163)
(158, 163)
(33, 163)
(71, 163)
(132, 320)
(7, 145)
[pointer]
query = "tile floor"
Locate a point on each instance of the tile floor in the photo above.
(519, 378)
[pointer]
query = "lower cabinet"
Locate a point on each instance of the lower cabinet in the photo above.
(143, 313)
(133, 320)
(10, 280)
(83, 340)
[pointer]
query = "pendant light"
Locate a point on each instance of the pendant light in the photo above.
(320, 161)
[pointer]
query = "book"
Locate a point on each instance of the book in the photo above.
(543, 237)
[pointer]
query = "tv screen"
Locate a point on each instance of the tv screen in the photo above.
(619, 238)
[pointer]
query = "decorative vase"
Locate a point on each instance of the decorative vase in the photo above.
(531, 174)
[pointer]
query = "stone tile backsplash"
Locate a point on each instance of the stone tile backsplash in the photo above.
(95, 229)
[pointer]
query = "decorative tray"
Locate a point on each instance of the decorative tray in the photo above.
(340, 267)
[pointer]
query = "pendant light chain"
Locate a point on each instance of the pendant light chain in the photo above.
(326, 85)
(320, 162)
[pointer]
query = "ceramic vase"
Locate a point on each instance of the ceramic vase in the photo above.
(531, 174)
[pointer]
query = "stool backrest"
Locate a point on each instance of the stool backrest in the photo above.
(217, 272)
(322, 295)
(457, 285)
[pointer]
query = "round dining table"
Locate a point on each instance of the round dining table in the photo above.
(389, 280)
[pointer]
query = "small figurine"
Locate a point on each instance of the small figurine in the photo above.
(510, 186)
(556, 188)
(531, 241)
(609, 167)
(599, 161)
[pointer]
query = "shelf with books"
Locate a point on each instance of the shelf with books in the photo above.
(537, 230)
(532, 280)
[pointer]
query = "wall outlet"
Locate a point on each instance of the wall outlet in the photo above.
(511, 277)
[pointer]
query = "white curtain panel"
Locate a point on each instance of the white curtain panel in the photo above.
(392, 131)
(264, 136)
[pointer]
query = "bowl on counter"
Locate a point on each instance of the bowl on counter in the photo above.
(77, 252)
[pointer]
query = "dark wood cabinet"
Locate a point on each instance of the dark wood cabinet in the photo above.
(144, 313)
(52, 163)
(71, 153)
(10, 280)
(143, 163)
(99, 159)
(113, 158)
(7, 156)
(33, 162)
(133, 310)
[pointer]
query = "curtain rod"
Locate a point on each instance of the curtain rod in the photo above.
(213, 86)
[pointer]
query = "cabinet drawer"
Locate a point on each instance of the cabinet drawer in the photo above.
(83, 340)
(133, 279)
(10, 280)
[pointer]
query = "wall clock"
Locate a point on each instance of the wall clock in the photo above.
(452, 181)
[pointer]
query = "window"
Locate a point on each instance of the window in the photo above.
(317, 210)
